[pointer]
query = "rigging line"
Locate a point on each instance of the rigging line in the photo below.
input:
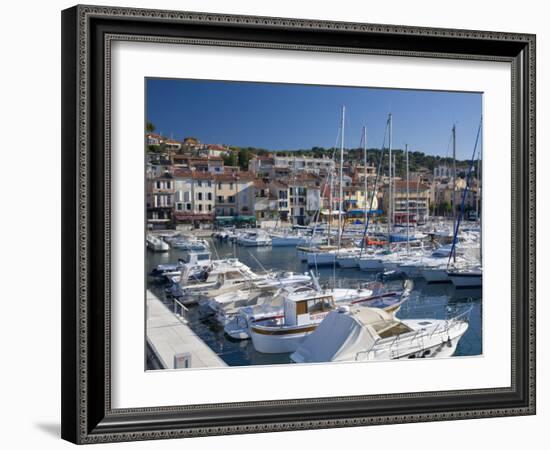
(367, 219)
(468, 176)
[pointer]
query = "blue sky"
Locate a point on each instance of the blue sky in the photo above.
(286, 117)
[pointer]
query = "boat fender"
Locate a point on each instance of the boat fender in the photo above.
(449, 343)
(344, 309)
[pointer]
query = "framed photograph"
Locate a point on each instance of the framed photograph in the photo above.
(282, 224)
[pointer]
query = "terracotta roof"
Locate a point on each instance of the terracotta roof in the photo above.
(402, 185)
(239, 176)
(202, 175)
(194, 174)
(216, 147)
(278, 184)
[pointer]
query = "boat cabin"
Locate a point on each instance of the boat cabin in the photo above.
(302, 309)
(199, 258)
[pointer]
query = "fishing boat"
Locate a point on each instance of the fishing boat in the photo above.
(362, 333)
(226, 303)
(304, 311)
(156, 244)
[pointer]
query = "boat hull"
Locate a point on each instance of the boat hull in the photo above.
(371, 265)
(265, 342)
(321, 259)
(286, 241)
(465, 280)
(435, 275)
(348, 262)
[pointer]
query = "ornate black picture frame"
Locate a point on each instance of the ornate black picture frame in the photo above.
(87, 34)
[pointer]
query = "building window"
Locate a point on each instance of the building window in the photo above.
(199, 183)
(231, 199)
(230, 185)
(188, 206)
(209, 195)
(200, 207)
(209, 207)
(219, 185)
(220, 199)
(199, 196)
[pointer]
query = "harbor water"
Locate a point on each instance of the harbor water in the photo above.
(431, 301)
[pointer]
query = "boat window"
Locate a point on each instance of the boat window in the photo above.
(202, 257)
(301, 308)
(319, 304)
(232, 275)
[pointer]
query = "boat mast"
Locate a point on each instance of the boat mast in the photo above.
(365, 170)
(390, 200)
(407, 168)
(341, 193)
(479, 172)
(331, 178)
(417, 207)
(453, 193)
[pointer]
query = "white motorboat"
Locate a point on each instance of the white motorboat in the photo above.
(361, 333)
(193, 265)
(254, 239)
(224, 275)
(304, 311)
(190, 244)
(156, 244)
(163, 270)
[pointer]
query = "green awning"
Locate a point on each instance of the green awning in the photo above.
(246, 218)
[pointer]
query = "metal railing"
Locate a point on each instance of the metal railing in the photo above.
(179, 309)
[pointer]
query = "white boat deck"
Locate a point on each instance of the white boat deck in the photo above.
(169, 335)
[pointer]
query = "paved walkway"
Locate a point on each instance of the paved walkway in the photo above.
(169, 335)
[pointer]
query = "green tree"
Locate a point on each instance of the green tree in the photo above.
(244, 156)
(150, 127)
(231, 159)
